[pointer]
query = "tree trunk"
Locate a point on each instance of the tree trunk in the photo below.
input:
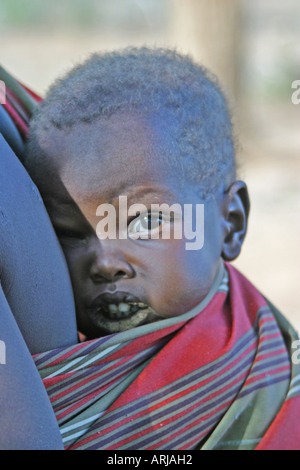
(208, 31)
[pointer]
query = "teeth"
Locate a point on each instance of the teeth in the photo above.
(121, 310)
(113, 308)
(124, 307)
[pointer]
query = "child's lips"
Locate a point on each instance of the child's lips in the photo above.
(119, 312)
(116, 306)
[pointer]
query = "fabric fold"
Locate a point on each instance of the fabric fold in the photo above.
(217, 377)
(20, 102)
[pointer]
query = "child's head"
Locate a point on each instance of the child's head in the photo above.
(151, 126)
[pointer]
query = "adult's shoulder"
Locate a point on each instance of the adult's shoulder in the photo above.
(33, 271)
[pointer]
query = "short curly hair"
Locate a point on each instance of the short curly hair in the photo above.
(156, 82)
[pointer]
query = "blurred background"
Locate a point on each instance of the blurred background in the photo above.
(254, 49)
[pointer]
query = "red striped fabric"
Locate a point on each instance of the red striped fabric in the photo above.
(175, 386)
(284, 433)
(16, 108)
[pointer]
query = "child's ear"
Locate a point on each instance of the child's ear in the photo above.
(235, 210)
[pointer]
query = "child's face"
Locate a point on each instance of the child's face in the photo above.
(123, 283)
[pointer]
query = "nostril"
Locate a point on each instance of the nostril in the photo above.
(119, 274)
(108, 275)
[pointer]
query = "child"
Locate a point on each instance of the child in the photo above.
(183, 352)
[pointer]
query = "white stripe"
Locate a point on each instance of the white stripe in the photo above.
(102, 353)
(66, 367)
(79, 359)
(295, 379)
(223, 286)
(74, 436)
(79, 433)
(293, 390)
(242, 442)
(81, 423)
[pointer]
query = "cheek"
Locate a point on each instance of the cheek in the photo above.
(172, 275)
(180, 278)
(173, 261)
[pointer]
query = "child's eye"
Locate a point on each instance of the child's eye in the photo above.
(70, 236)
(146, 225)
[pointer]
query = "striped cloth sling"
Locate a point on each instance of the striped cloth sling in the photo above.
(217, 377)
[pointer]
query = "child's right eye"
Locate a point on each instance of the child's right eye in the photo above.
(146, 225)
(70, 236)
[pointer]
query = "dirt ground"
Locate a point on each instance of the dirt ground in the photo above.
(270, 163)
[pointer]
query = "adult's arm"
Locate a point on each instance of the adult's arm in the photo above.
(26, 415)
(36, 308)
(33, 270)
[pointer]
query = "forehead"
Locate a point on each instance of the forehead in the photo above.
(111, 154)
(98, 162)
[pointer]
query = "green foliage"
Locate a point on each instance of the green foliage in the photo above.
(82, 14)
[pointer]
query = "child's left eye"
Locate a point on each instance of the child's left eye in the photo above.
(145, 224)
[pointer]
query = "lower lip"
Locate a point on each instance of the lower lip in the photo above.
(115, 325)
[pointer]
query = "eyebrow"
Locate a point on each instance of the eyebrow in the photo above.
(134, 193)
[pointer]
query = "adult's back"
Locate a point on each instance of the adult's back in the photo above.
(36, 308)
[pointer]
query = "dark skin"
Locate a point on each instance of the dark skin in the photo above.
(124, 155)
(36, 306)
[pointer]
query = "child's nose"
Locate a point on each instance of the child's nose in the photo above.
(109, 264)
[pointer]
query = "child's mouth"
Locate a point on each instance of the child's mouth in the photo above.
(119, 312)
